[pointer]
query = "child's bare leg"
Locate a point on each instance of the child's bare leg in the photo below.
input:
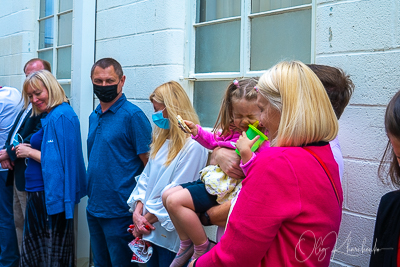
(187, 224)
(169, 192)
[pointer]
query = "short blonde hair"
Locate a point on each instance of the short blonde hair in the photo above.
(55, 91)
(176, 101)
(306, 113)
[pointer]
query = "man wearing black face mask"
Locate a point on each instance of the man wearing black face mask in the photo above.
(118, 143)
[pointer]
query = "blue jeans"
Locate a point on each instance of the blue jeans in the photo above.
(9, 254)
(161, 257)
(109, 241)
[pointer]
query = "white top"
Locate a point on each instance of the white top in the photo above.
(156, 177)
(337, 154)
(10, 106)
(21, 119)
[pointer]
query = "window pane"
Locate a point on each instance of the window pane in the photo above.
(64, 63)
(46, 33)
(267, 5)
(217, 9)
(65, 29)
(67, 89)
(217, 47)
(47, 55)
(280, 37)
(65, 5)
(46, 8)
(207, 100)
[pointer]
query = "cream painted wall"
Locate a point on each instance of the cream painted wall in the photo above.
(148, 38)
(363, 38)
(17, 40)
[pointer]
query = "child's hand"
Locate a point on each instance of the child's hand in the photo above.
(192, 127)
(244, 145)
(182, 124)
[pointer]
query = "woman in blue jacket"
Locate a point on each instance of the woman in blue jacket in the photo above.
(55, 175)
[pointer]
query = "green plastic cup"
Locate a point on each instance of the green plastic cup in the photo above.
(251, 133)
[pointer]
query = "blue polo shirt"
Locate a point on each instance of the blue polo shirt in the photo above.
(116, 138)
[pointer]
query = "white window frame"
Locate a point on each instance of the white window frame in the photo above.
(83, 56)
(56, 15)
(245, 39)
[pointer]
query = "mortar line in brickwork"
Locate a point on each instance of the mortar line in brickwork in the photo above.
(139, 33)
(359, 52)
(15, 54)
(118, 6)
(14, 33)
(109, 8)
(152, 65)
(364, 216)
(367, 105)
(138, 99)
(337, 2)
(361, 159)
(341, 263)
(12, 75)
(11, 14)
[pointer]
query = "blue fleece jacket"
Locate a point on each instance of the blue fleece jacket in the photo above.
(63, 168)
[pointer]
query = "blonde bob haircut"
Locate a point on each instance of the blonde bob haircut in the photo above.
(176, 101)
(306, 113)
(44, 78)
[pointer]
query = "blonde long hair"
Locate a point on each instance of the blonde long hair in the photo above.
(306, 113)
(176, 101)
(55, 91)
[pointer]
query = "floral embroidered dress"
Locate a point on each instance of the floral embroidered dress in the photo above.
(216, 181)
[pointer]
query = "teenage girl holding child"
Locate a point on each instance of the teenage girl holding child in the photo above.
(238, 110)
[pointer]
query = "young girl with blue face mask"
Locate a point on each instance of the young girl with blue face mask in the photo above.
(174, 159)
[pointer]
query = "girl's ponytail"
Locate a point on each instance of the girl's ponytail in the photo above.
(236, 90)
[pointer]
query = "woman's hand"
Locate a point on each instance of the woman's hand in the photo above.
(7, 164)
(3, 155)
(244, 145)
(228, 161)
(23, 150)
(26, 151)
(142, 226)
(192, 127)
(135, 233)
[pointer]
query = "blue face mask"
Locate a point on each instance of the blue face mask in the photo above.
(159, 120)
